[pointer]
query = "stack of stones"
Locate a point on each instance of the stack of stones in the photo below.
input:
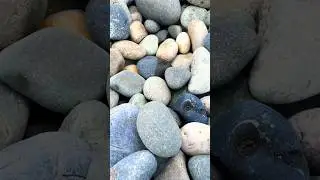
(160, 89)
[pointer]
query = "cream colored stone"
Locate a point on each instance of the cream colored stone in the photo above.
(136, 16)
(183, 41)
(137, 31)
(167, 50)
(197, 31)
(130, 50)
(156, 89)
(182, 60)
(132, 67)
(150, 44)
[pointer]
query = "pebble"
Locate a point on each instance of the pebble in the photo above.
(124, 138)
(197, 31)
(127, 83)
(192, 13)
(119, 23)
(200, 72)
(130, 50)
(88, 121)
(137, 31)
(184, 43)
(306, 124)
(140, 165)
(156, 89)
(124, 6)
(152, 66)
(206, 102)
(162, 35)
(151, 26)
(189, 107)
(176, 117)
(199, 167)
(183, 60)
(206, 42)
(133, 9)
(167, 50)
(132, 68)
(114, 98)
(177, 77)
(29, 71)
(72, 20)
(195, 139)
(136, 16)
(150, 44)
(163, 12)
(174, 30)
(175, 169)
(15, 14)
(116, 61)
(158, 130)
(97, 16)
(266, 131)
(14, 113)
(207, 19)
(200, 3)
(138, 100)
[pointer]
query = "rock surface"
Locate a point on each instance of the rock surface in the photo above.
(156, 89)
(199, 167)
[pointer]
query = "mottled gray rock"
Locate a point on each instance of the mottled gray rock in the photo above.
(162, 35)
(158, 130)
(163, 12)
(177, 77)
(138, 100)
(114, 98)
(127, 83)
(174, 30)
(151, 26)
(152, 66)
(119, 23)
(50, 76)
(199, 167)
(191, 13)
(14, 114)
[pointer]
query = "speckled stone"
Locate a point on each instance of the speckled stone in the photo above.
(156, 89)
(206, 42)
(137, 31)
(138, 100)
(114, 98)
(152, 66)
(158, 130)
(177, 77)
(174, 30)
(176, 117)
(183, 60)
(129, 49)
(162, 35)
(151, 26)
(167, 50)
(150, 44)
(119, 23)
(199, 167)
(191, 13)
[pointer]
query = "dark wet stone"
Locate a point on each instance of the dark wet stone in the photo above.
(152, 66)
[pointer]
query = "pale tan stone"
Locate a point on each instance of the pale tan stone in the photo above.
(167, 50)
(137, 31)
(197, 31)
(116, 61)
(183, 41)
(182, 60)
(130, 50)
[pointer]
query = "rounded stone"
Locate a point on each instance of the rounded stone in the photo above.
(184, 43)
(197, 31)
(174, 30)
(137, 31)
(72, 20)
(119, 23)
(14, 113)
(97, 15)
(151, 26)
(158, 130)
(183, 60)
(206, 42)
(177, 77)
(207, 19)
(140, 165)
(127, 83)
(136, 16)
(124, 138)
(206, 102)
(200, 3)
(162, 35)
(199, 167)
(18, 18)
(167, 50)
(114, 98)
(130, 50)
(150, 44)
(152, 66)
(156, 89)
(138, 100)
(200, 72)
(132, 67)
(176, 117)
(195, 139)
(52, 71)
(163, 12)
(116, 61)
(192, 13)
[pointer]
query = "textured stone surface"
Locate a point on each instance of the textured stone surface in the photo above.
(177, 77)
(199, 167)
(151, 26)
(130, 50)
(152, 66)
(156, 89)
(119, 23)
(150, 44)
(197, 31)
(191, 13)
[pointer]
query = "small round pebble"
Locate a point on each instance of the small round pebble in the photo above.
(151, 26)
(127, 83)
(195, 139)
(183, 60)
(162, 35)
(174, 30)
(132, 67)
(114, 98)
(119, 23)
(184, 43)
(197, 31)
(137, 31)
(116, 61)
(199, 167)
(152, 66)
(150, 44)
(192, 13)
(158, 130)
(206, 102)
(130, 50)
(177, 77)
(138, 100)
(156, 89)
(167, 50)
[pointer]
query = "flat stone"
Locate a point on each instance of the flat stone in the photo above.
(52, 71)
(156, 89)
(192, 13)
(114, 98)
(150, 44)
(199, 167)
(177, 77)
(116, 61)
(127, 83)
(184, 43)
(152, 66)
(151, 26)
(158, 130)
(176, 117)
(197, 31)
(130, 50)
(138, 100)
(124, 138)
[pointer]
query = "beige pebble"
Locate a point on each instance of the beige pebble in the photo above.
(167, 50)
(116, 61)
(206, 102)
(137, 31)
(183, 41)
(150, 44)
(130, 50)
(195, 139)
(132, 67)
(136, 16)
(156, 89)
(183, 60)
(197, 31)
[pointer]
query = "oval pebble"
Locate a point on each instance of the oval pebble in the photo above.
(192, 13)
(158, 130)
(199, 167)
(184, 43)
(130, 50)
(177, 77)
(152, 66)
(156, 89)
(162, 35)
(183, 60)
(197, 31)
(137, 31)
(132, 68)
(167, 50)
(150, 44)
(138, 100)
(151, 26)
